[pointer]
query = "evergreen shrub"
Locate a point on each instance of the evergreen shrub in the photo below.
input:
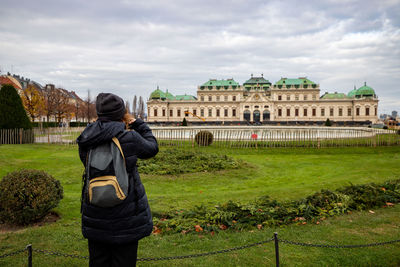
(12, 111)
(27, 196)
(204, 138)
(328, 122)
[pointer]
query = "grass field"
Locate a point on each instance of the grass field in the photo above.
(281, 173)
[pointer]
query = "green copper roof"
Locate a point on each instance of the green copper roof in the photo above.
(257, 80)
(365, 91)
(158, 94)
(185, 97)
(169, 95)
(215, 82)
(352, 92)
(334, 96)
(301, 80)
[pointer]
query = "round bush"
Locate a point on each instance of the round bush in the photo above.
(27, 196)
(204, 138)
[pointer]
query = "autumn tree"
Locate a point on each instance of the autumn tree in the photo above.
(33, 101)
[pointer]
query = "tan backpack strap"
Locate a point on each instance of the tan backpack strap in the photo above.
(116, 142)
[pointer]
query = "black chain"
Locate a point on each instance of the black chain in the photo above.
(338, 246)
(206, 253)
(12, 253)
(55, 253)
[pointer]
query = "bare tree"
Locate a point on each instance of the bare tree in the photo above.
(128, 110)
(134, 107)
(141, 108)
(90, 108)
(50, 102)
(61, 104)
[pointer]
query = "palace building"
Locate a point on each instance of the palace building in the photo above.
(288, 101)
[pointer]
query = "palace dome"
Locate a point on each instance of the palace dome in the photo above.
(364, 91)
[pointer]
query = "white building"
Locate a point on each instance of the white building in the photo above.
(290, 101)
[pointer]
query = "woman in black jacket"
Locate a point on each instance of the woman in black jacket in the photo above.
(113, 233)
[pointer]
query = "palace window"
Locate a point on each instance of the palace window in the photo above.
(331, 112)
(202, 98)
(296, 112)
(226, 113)
(305, 112)
(226, 98)
(202, 112)
(163, 112)
(155, 112)
(322, 112)
(179, 112)
(366, 111)
(279, 112)
(217, 97)
(209, 98)
(209, 112)
(233, 112)
(288, 97)
(314, 112)
(376, 111)
(171, 113)
(340, 112)
(194, 111)
(234, 98)
(349, 112)
(217, 112)
(357, 111)
(296, 97)
(279, 97)
(288, 112)
(305, 97)
(186, 113)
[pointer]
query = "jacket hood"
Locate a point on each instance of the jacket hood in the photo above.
(99, 132)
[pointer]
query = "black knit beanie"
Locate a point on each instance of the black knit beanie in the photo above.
(110, 107)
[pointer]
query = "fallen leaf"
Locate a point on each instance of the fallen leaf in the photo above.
(317, 222)
(370, 211)
(259, 226)
(383, 189)
(212, 233)
(389, 204)
(198, 228)
(304, 223)
(223, 227)
(156, 230)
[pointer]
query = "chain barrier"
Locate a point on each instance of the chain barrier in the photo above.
(12, 253)
(206, 253)
(55, 253)
(338, 246)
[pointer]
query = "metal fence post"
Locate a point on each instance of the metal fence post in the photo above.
(276, 249)
(29, 248)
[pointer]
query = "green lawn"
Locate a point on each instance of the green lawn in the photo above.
(281, 173)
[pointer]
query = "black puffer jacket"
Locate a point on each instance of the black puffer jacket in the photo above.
(131, 220)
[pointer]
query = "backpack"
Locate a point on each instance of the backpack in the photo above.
(106, 178)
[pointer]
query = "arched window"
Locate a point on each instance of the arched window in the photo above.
(256, 116)
(266, 115)
(246, 115)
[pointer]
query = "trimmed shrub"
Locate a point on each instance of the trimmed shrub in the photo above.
(77, 124)
(27, 196)
(184, 122)
(12, 111)
(328, 122)
(204, 138)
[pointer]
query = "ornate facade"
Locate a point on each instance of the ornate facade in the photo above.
(258, 101)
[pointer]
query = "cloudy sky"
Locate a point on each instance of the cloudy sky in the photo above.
(130, 47)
